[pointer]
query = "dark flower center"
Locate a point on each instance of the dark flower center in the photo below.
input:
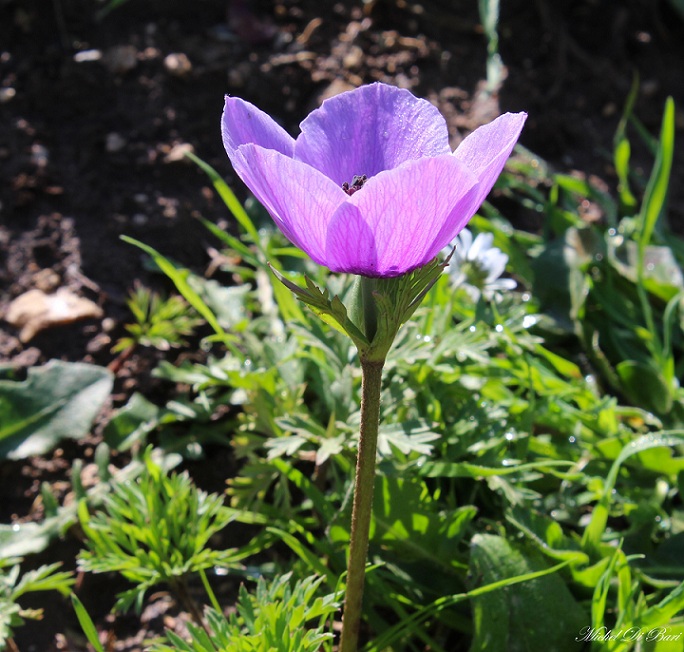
(356, 184)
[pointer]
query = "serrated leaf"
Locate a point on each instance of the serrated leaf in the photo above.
(409, 437)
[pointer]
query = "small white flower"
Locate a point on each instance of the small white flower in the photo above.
(476, 266)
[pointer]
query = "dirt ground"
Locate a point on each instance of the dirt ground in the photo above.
(95, 112)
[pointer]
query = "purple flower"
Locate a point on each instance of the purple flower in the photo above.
(370, 186)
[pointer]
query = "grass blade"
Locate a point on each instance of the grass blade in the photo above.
(87, 624)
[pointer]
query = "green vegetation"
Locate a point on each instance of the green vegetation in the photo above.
(531, 447)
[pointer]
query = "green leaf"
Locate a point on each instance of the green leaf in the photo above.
(560, 279)
(591, 538)
(621, 158)
(87, 624)
(656, 190)
(331, 311)
(407, 521)
(466, 470)
(180, 280)
(409, 436)
(227, 303)
(131, 423)
(228, 197)
(538, 615)
(661, 273)
(623, 150)
(660, 614)
(57, 401)
(547, 534)
(395, 633)
(645, 386)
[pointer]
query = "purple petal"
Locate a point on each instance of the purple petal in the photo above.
(243, 123)
(300, 199)
(486, 150)
(368, 130)
(388, 227)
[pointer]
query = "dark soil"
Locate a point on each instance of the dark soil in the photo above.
(94, 115)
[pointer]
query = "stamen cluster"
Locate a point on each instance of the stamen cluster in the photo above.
(356, 184)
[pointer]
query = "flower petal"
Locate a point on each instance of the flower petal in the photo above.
(486, 150)
(494, 261)
(482, 244)
(387, 228)
(243, 123)
(368, 130)
(464, 242)
(503, 284)
(300, 199)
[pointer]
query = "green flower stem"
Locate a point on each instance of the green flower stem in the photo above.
(209, 590)
(363, 502)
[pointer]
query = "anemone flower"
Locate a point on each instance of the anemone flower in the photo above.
(370, 186)
(477, 266)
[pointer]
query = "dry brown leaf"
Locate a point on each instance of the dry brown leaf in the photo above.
(35, 311)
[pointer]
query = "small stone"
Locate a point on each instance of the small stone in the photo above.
(98, 343)
(39, 155)
(335, 87)
(238, 74)
(609, 110)
(649, 87)
(121, 59)
(114, 142)
(7, 94)
(353, 59)
(46, 280)
(108, 324)
(27, 358)
(177, 64)
(177, 152)
(87, 55)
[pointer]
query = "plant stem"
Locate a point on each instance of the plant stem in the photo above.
(180, 588)
(363, 502)
(209, 590)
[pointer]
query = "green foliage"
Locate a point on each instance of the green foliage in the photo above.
(153, 530)
(59, 400)
(20, 539)
(514, 436)
(278, 617)
(14, 584)
(531, 452)
(160, 322)
(621, 286)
